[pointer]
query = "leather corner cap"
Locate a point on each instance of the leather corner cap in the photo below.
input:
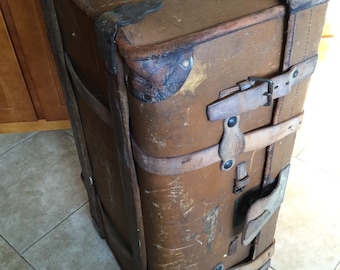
(157, 78)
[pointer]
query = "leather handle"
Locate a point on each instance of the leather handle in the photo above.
(262, 210)
(258, 262)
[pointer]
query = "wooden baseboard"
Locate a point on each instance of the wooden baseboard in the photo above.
(40, 125)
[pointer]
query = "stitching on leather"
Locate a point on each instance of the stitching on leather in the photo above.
(308, 33)
(298, 86)
(304, 57)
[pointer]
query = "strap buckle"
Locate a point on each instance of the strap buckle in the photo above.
(269, 92)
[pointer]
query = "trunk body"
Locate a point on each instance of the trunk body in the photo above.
(185, 115)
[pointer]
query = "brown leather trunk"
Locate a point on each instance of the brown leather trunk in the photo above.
(185, 115)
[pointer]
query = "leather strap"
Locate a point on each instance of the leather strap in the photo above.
(258, 262)
(257, 96)
(263, 137)
(254, 140)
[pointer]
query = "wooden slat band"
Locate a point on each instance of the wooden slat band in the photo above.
(254, 140)
(112, 235)
(96, 106)
(255, 97)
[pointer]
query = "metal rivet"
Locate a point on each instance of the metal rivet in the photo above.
(186, 63)
(147, 97)
(228, 164)
(232, 121)
(220, 266)
(296, 72)
(173, 88)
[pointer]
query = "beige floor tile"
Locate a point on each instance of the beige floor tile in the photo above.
(10, 259)
(8, 141)
(338, 266)
(301, 141)
(318, 140)
(320, 127)
(74, 244)
(308, 230)
(40, 186)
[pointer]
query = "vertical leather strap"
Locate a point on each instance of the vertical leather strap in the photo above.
(307, 22)
(304, 25)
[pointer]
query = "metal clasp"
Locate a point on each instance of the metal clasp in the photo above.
(242, 178)
(269, 92)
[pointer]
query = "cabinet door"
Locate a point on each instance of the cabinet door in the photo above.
(37, 59)
(15, 102)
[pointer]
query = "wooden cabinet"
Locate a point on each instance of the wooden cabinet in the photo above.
(29, 85)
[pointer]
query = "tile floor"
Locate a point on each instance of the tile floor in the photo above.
(44, 221)
(44, 216)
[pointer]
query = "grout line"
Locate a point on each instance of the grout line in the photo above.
(336, 267)
(303, 148)
(9, 244)
(68, 133)
(57, 225)
(308, 163)
(19, 142)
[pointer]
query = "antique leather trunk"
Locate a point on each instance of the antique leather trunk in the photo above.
(185, 115)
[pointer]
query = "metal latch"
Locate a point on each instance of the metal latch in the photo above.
(245, 85)
(242, 178)
(232, 143)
